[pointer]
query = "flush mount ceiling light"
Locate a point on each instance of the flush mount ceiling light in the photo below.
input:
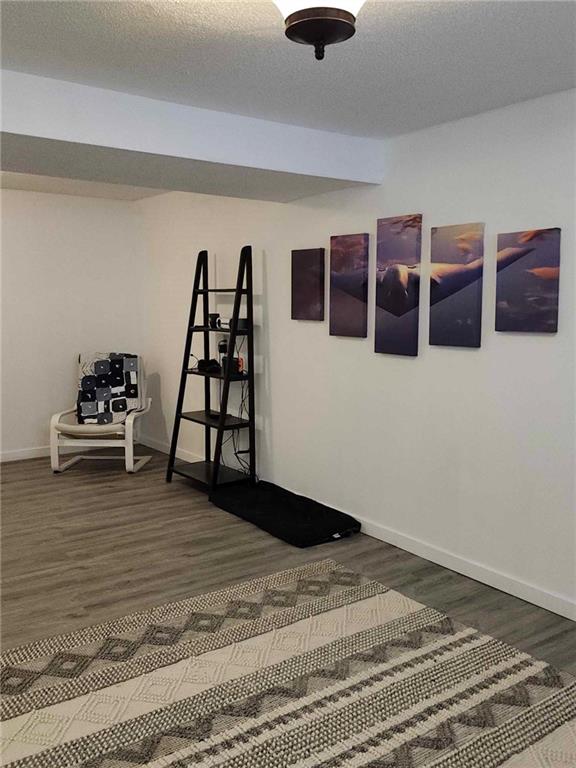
(319, 25)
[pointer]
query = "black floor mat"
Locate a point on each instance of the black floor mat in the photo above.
(292, 518)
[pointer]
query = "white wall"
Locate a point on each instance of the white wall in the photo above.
(466, 457)
(72, 276)
(176, 227)
(463, 456)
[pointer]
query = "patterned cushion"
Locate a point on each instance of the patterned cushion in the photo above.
(109, 385)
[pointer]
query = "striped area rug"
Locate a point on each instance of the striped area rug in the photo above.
(312, 667)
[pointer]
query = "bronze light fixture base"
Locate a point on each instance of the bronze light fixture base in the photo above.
(320, 27)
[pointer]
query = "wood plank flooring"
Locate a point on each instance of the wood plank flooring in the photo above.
(95, 543)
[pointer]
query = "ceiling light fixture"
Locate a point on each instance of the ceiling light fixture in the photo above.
(319, 26)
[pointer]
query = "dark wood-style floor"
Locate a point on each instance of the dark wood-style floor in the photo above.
(95, 543)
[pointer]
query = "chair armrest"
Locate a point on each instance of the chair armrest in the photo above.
(57, 416)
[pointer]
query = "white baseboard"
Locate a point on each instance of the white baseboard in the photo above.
(35, 453)
(164, 447)
(25, 453)
(551, 601)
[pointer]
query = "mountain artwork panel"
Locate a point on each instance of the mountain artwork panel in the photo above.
(308, 284)
(349, 285)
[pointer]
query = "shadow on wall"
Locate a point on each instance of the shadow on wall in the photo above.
(154, 422)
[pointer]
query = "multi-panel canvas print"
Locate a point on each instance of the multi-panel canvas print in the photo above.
(349, 285)
(527, 281)
(457, 255)
(398, 284)
(308, 284)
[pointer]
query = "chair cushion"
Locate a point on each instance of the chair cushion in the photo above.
(109, 387)
(79, 430)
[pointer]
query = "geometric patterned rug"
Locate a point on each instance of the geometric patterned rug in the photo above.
(312, 667)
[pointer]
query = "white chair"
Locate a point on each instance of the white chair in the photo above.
(66, 431)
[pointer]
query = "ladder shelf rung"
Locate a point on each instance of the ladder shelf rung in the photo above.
(208, 420)
(243, 291)
(219, 376)
(208, 329)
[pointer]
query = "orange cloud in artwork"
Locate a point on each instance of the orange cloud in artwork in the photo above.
(467, 239)
(532, 234)
(402, 223)
(545, 273)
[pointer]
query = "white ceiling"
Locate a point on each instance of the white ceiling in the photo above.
(31, 183)
(411, 65)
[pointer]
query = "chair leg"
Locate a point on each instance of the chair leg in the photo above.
(132, 465)
(67, 464)
(140, 461)
(55, 464)
(129, 448)
(54, 458)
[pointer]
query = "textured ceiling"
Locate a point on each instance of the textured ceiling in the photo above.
(411, 64)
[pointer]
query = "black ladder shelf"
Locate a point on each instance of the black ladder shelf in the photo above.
(211, 472)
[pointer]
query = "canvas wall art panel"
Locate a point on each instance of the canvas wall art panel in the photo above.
(528, 281)
(456, 271)
(349, 285)
(308, 284)
(398, 284)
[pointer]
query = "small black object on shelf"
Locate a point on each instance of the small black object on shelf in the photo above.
(232, 363)
(211, 473)
(209, 366)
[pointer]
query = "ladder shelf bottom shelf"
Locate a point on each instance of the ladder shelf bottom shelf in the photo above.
(200, 473)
